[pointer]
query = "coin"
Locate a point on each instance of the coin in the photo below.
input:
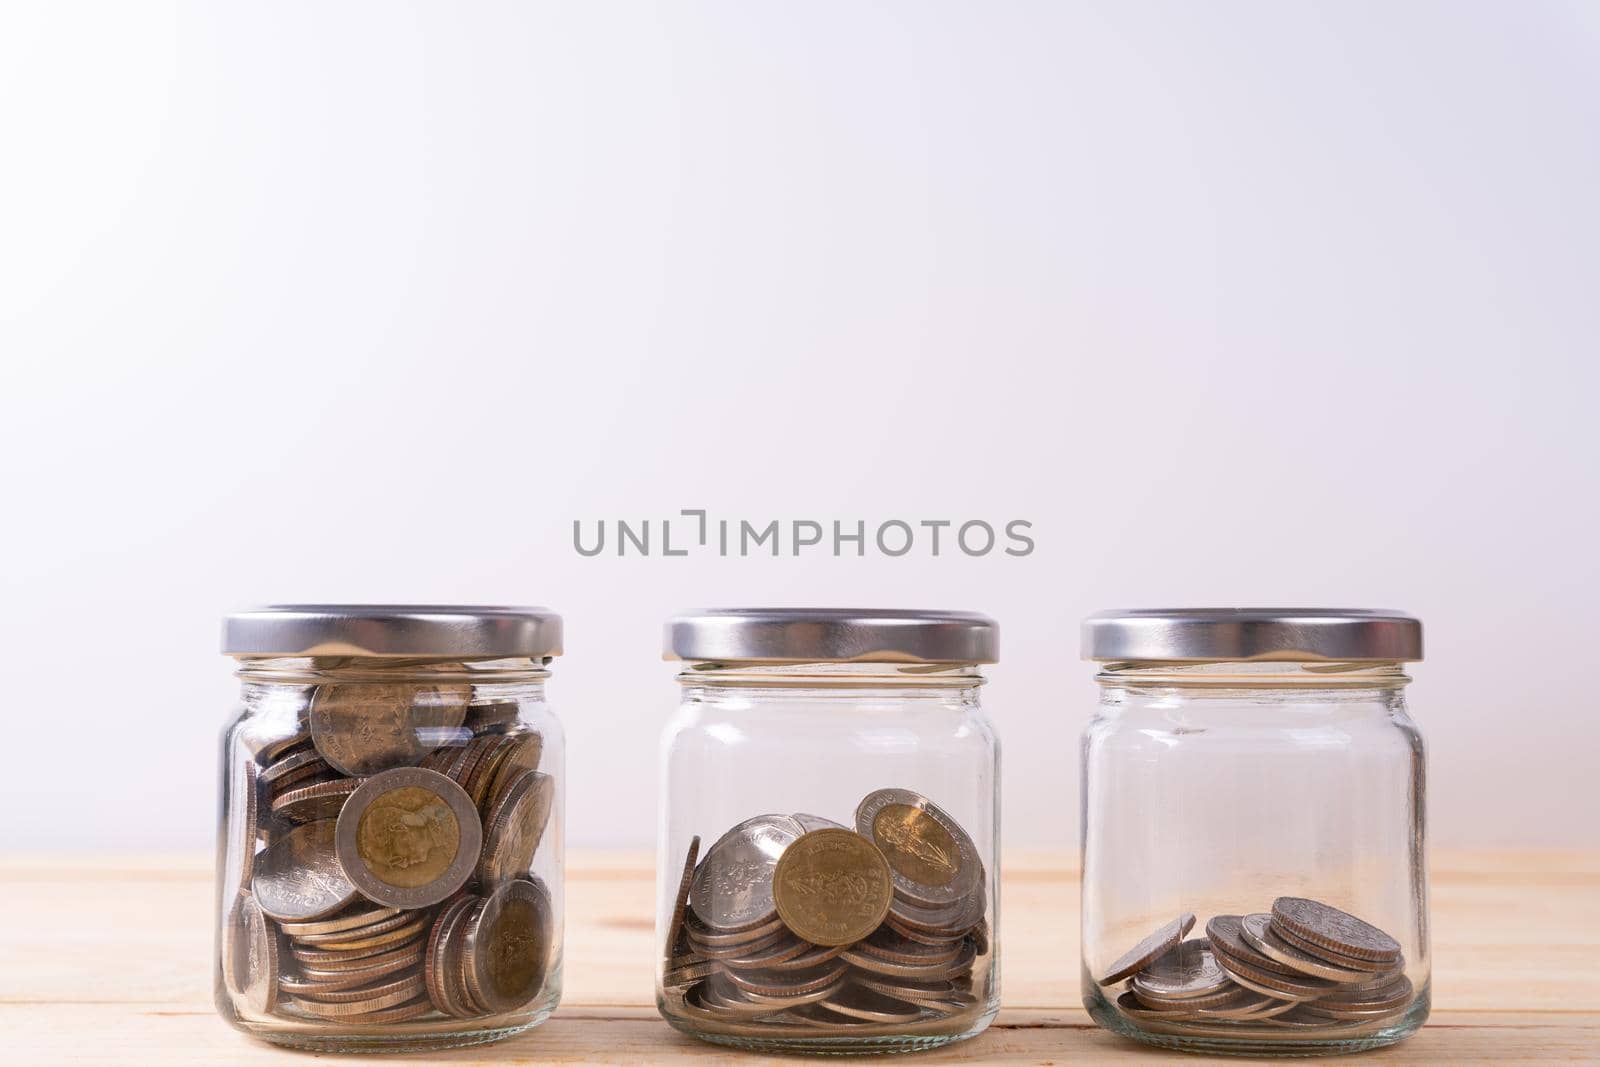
(408, 837)
(244, 827)
(676, 935)
(523, 755)
(514, 828)
(932, 859)
(389, 996)
(1150, 949)
(1338, 959)
(441, 958)
(508, 946)
(1186, 970)
(250, 963)
(298, 876)
(1257, 932)
(1325, 925)
(858, 1003)
(312, 803)
(832, 887)
(809, 823)
(362, 728)
(353, 919)
(732, 888)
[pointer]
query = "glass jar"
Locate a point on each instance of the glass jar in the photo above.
(827, 875)
(389, 871)
(1254, 872)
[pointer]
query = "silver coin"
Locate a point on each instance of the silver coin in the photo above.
(680, 904)
(1184, 971)
(732, 887)
(1259, 935)
(1149, 950)
(1338, 959)
(408, 837)
(809, 823)
(870, 1006)
(1331, 928)
(253, 964)
(932, 861)
(298, 877)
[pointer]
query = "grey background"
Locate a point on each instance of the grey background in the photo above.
(1239, 303)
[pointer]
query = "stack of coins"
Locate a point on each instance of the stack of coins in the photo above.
(397, 826)
(798, 921)
(1303, 966)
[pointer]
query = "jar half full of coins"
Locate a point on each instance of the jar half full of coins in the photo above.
(1254, 866)
(827, 871)
(389, 871)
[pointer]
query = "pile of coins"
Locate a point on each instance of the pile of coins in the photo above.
(1303, 966)
(795, 921)
(397, 826)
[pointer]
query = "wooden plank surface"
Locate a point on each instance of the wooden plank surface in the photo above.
(106, 961)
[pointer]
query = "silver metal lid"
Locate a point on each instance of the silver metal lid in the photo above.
(832, 635)
(392, 630)
(1202, 634)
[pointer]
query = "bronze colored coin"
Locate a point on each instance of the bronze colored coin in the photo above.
(933, 860)
(1184, 971)
(1325, 925)
(523, 756)
(514, 828)
(1149, 950)
(950, 920)
(1259, 935)
(355, 919)
(408, 837)
(1225, 996)
(440, 962)
(688, 973)
(460, 990)
(1396, 994)
(481, 775)
(832, 887)
(508, 946)
(250, 966)
(911, 933)
(1338, 959)
(273, 749)
(1134, 1008)
(491, 715)
(315, 802)
(298, 877)
(397, 994)
(362, 728)
(676, 935)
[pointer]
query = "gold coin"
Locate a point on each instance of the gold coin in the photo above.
(832, 887)
(508, 946)
(514, 828)
(364, 728)
(408, 837)
(934, 861)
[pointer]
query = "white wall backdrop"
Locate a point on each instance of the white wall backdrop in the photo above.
(1239, 303)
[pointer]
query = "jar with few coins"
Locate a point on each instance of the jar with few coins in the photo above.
(828, 866)
(1255, 874)
(389, 869)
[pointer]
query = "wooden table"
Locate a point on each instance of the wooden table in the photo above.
(105, 959)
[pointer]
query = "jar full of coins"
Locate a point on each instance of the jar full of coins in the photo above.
(389, 871)
(1254, 873)
(829, 830)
